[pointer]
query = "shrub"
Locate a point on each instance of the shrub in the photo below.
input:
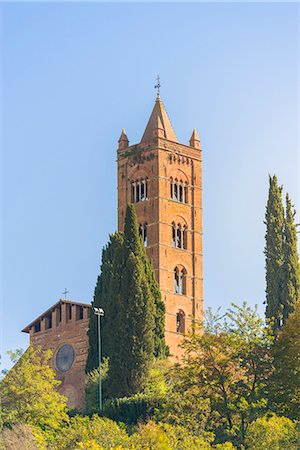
(95, 431)
(131, 410)
(273, 432)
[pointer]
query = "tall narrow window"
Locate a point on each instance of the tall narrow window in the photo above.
(171, 187)
(173, 235)
(132, 192)
(79, 312)
(180, 322)
(179, 237)
(175, 191)
(137, 196)
(184, 237)
(180, 192)
(69, 311)
(143, 233)
(146, 188)
(183, 281)
(180, 281)
(58, 315)
(48, 321)
(176, 281)
(142, 190)
(185, 193)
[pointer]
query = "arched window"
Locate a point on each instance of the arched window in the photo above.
(178, 190)
(143, 233)
(173, 235)
(139, 190)
(180, 281)
(180, 322)
(179, 236)
(176, 280)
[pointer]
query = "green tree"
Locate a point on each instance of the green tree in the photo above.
(274, 220)
(132, 329)
(226, 370)
(131, 358)
(109, 295)
(106, 296)
(28, 392)
(276, 433)
(86, 432)
(291, 267)
(285, 381)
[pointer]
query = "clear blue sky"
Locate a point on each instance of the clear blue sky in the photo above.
(73, 75)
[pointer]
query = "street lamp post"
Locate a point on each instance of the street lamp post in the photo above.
(99, 312)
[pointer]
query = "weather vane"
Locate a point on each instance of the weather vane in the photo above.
(157, 86)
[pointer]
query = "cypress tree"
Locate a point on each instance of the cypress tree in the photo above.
(274, 220)
(132, 330)
(130, 360)
(291, 268)
(105, 296)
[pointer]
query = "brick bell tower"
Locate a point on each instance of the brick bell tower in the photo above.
(163, 179)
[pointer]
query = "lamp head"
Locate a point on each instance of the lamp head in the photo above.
(99, 311)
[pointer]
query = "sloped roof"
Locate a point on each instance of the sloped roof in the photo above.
(159, 116)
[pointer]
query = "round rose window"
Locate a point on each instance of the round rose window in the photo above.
(65, 358)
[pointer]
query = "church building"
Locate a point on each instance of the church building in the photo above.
(163, 179)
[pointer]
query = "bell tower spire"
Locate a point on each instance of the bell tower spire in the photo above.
(163, 179)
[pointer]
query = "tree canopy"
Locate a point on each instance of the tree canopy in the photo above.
(29, 392)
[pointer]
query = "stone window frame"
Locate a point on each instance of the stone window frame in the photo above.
(139, 190)
(180, 321)
(179, 236)
(180, 276)
(178, 190)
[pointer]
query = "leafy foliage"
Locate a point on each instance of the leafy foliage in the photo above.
(28, 392)
(276, 433)
(285, 381)
(92, 388)
(85, 432)
(226, 369)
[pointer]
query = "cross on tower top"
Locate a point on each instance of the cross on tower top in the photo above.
(157, 86)
(65, 293)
